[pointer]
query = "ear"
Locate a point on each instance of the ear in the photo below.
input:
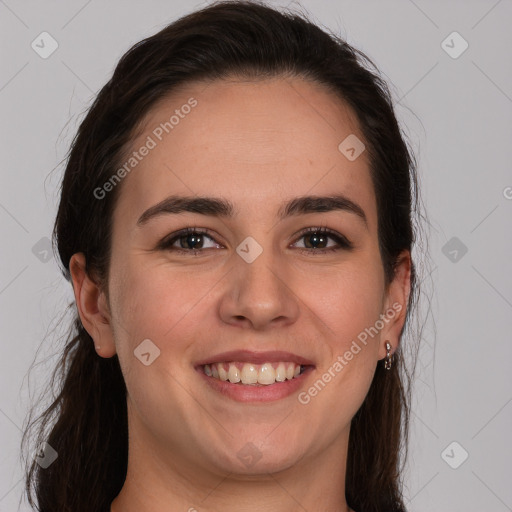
(92, 307)
(395, 304)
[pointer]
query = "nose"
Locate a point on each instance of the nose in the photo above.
(260, 294)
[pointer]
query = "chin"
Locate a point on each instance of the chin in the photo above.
(249, 460)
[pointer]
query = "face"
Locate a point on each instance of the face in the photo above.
(264, 273)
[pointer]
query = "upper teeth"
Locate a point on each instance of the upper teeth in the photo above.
(250, 373)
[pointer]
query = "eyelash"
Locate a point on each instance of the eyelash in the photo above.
(343, 243)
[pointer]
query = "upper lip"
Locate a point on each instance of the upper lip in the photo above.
(256, 357)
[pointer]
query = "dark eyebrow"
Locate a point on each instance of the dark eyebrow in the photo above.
(214, 206)
(219, 207)
(314, 204)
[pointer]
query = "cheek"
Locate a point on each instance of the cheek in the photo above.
(350, 309)
(157, 303)
(148, 305)
(350, 300)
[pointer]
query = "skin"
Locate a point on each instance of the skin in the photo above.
(258, 144)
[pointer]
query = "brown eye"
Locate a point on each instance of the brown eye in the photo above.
(189, 240)
(316, 240)
(192, 241)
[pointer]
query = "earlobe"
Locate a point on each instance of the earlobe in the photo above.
(92, 307)
(395, 304)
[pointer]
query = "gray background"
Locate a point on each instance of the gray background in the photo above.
(457, 114)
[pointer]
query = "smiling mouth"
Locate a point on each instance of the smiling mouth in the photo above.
(252, 374)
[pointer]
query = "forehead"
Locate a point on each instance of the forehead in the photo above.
(256, 142)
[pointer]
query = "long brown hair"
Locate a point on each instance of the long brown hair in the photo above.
(86, 421)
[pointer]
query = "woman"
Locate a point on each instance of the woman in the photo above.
(236, 221)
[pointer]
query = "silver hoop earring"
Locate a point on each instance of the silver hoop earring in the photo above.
(388, 361)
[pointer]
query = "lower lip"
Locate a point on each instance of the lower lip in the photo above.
(260, 393)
